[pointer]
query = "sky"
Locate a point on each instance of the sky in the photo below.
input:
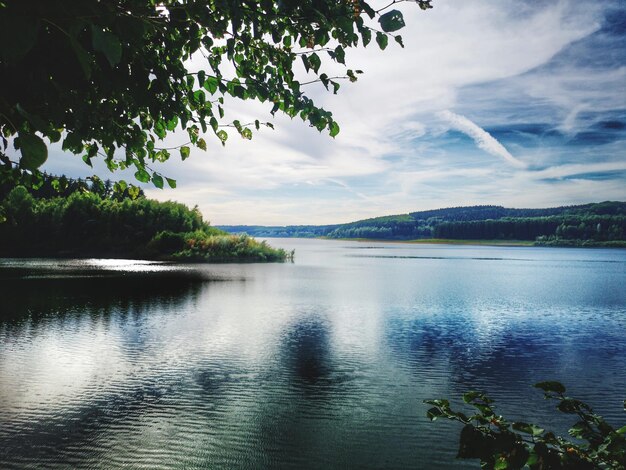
(505, 102)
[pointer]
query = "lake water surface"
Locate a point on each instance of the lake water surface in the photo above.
(323, 363)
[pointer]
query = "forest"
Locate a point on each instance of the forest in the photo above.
(91, 219)
(596, 224)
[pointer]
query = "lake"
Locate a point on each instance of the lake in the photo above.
(320, 363)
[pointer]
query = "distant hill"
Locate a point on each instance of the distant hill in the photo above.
(603, 222)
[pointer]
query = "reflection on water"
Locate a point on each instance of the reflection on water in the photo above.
(319, 364)
(306, 352)
(35, 299)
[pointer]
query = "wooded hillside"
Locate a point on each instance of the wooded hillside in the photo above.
(603, 222)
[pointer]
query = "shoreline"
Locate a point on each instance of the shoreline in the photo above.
(446, 241)
(438, 241)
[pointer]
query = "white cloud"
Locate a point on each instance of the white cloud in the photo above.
(483, 139)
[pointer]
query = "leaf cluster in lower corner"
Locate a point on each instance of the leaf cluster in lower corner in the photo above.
(500, 444)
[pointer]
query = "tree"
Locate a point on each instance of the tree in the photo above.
(113, 78)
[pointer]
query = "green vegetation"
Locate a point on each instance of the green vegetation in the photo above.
(500, 444)
(89, 224)
(449, 241)
(112, 79)
(288, 231)
(602, 224)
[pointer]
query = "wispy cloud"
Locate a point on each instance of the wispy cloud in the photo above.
(579, 169)
(483, 139)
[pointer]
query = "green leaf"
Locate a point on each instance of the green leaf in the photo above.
(107, 43)
(171, 182)
(73, 142)
(133, 191)
(315, 62)
(184, 152)
(434, 413)
(199, 97)
(340, 55)
(443, 403)
(142, 175)
(223, 136)
(92, 150)
(484, 409)
(555, 387)
(201, 144)
(201, 77)
(160, 128)
(54, 135)
(580, 430)
(570, 405)
(334, 129)
(211, 84)
(157, 180)
(527, 428)
(305, 62)
(471, 396)
(162, 155)
(474, 444)
(325, 80)
(391, 21)
(382, 40)
(501, 464)
(533, 459)
(366, 35)
(112, 165)
(120, 186)
(172, 123)
(621, 430)
(34, 151)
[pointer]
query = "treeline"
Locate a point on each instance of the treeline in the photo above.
(88, 224)
(597, 228)
(50, 186)
(287, 231)
(394, 227)
(600, 223)
(456, 214)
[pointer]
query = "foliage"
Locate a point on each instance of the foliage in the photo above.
(198, 246)
(113, 78)
(88, 224)
(500, 444)
(53, 186)
(602, 224)
(562, 227)
(288, 231)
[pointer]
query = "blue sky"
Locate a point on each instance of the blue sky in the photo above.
(507, 102)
